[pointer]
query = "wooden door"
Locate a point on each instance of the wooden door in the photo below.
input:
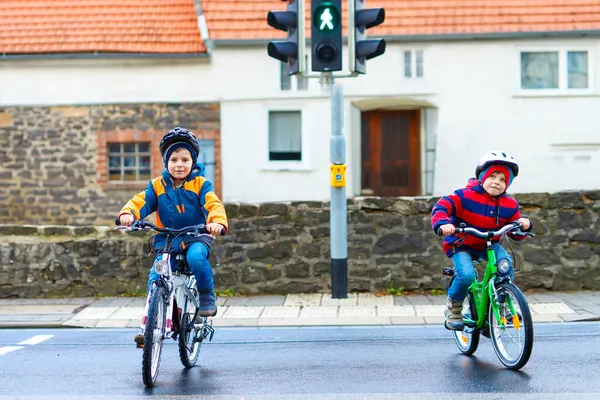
(391, 153)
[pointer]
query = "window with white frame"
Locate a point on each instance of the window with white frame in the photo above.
(285, 136)
(129, 161)
(413, 63)
(287, 82)
(555, 70)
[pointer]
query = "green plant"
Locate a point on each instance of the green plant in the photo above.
(226, 293)
(395, 291)
(438, 291)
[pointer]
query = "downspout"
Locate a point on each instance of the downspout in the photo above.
(203, 27)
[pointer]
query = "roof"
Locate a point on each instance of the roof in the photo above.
(171, 26)
(247, 19)
(75, 26)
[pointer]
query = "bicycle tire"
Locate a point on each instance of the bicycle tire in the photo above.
(467, 340)
(525, 321)
(155, 323)
(189, 349)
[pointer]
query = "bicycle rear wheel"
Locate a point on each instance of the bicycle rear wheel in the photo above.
(512, 336)
(154, 335)
(189, 347)
(467, 340)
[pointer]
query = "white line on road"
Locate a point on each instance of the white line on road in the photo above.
(36, 339)
(8, 349)
(31, 341)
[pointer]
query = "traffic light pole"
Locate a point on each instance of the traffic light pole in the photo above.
(338, 217)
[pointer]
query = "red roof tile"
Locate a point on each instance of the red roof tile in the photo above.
(70, 26)
(170, 26)
(246, 19)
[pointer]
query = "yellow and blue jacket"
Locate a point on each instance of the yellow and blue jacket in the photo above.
(193, 203)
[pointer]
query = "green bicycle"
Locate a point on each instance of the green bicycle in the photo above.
(496, 308)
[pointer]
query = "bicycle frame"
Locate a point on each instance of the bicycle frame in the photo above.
(177, 288)
(485, 291)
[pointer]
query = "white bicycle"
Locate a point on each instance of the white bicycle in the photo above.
(172, 305)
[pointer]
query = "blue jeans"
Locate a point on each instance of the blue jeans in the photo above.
(465, 271)
(197, 258)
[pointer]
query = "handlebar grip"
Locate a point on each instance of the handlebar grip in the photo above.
(440, 232)
(118, 221)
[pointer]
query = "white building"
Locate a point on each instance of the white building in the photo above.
(415, 124)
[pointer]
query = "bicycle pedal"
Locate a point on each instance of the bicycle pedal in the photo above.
(448, 272)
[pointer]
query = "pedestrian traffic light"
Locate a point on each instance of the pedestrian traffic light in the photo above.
(361, 49)
(290, 51)
(326, 35)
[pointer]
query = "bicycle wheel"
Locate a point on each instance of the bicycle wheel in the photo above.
(154, 335)
(189, 347)
(467, 340)
(512, 342)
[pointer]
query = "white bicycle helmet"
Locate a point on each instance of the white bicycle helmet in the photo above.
(497, 157)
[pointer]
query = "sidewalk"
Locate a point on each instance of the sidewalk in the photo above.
(291, 310)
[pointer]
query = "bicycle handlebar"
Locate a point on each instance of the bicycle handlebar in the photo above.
(139, 225)
(487, 234)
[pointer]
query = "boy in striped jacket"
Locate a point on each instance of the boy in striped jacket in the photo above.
(483, 205)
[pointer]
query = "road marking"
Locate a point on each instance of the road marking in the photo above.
(8, 349)
(31, 341)
(36, 339)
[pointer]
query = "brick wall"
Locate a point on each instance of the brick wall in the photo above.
(53, 160)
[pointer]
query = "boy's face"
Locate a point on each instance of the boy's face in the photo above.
(495, 184)
(180, 163)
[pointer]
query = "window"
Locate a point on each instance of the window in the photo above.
(285, 136)
(557, 70)
(287, 82)
(129, 161)
(413, 63)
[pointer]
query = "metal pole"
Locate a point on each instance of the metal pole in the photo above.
(338, 209)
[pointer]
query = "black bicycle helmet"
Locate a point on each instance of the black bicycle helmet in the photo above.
(179, 135)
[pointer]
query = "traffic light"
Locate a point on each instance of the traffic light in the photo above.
(360, 48)
(326, 35)
(290, 51)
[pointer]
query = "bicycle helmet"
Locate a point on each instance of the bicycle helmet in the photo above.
(497, 157)
(181, 138)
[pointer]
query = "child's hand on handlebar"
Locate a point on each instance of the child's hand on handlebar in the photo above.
(214, 229)
(525, 222)
(126, 219)
(447, 229)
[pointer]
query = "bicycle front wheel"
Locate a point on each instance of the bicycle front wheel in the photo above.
(154, 335)
(189, 346)
(512, 335)
(467, 340)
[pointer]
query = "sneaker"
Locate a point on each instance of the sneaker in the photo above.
(454, 318)
(208, 306)
(139, 341)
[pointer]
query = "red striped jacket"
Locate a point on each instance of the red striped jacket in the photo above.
(477, 209)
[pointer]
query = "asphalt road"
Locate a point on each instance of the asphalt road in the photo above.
(303, 363)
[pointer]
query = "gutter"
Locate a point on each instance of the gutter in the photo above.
(441, 37)
(203, 26)
(97, 55)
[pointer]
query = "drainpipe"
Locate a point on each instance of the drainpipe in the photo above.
(203, 27)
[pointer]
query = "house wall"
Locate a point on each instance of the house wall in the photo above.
(472, 85)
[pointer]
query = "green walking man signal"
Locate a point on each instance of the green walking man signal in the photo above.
(326, 19)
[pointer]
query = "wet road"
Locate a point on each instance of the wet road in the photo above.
(328, 362)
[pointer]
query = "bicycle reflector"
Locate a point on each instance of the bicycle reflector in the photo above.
(161, 267)
(503, 266)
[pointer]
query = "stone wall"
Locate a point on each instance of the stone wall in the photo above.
(284, 248)
(52, 159)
